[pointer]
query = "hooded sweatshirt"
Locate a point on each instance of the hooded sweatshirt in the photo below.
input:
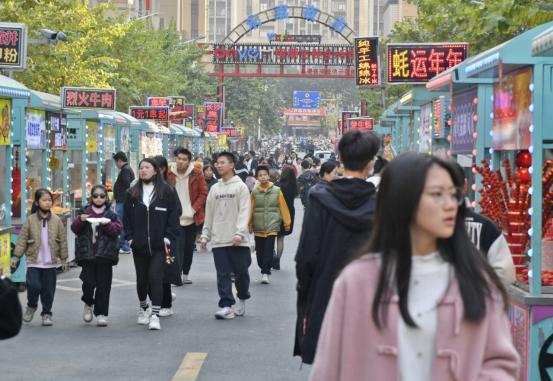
(183, 190)
(227, 213)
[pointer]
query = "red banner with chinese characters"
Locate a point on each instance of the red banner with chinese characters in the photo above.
(366, 61)
(149, 113)
(177, 113)
(360, 124)
(230, 132)
(213, 118)
(418, 63)
(87, 98)
(158, 101)
(345, 116)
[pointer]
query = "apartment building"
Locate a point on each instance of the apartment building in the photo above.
(394, 11)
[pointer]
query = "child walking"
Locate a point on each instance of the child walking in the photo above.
(268, 211)
(43, 239)
(97, 229)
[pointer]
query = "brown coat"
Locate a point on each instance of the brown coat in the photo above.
(28, 242)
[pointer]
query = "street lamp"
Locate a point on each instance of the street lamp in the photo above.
(50, 36)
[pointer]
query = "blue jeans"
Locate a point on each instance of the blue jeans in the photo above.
(232, 259)
(119, 210)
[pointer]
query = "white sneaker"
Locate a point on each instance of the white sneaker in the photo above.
(101, 321)
(173, 296)
(154, 323)
(164, 312)
(143, 317)
(29, 314)
(224, 313)
(186, 279)
(87, 313)
(240, 308)
(265, 279)
(47, 320)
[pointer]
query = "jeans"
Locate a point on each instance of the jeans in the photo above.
(264, 247)
(187, 240)
(232, 259)
(41, 282)
(119, 210)
(149, 276)
(97, 279)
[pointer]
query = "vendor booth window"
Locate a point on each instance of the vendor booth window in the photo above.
(56, 167)
(74, 171)
(33, 175)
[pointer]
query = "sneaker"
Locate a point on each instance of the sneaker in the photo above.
(47, 320)
(121, 251)
(143, 317)
(186, 279)
(173, 296)
(164, 312)
(101, 321)
(265, 279)
(29, 314)
(240, 308)
(87, 313)
(224, 313)
(154, 323)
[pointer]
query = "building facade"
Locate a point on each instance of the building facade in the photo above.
(394, 11)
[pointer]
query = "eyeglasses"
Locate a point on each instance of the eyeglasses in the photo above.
(98, 195)
(441, 196)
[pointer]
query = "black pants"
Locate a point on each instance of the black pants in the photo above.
(149, 276)
(232, 259)
(187, 240)
(264, 247)
(41, 282)
(97, 279)
(167, 299)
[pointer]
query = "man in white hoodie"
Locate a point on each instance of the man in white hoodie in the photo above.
(226, 227)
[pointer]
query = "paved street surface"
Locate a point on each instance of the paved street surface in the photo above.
(191, 345)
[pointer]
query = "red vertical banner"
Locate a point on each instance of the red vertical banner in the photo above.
(148, 6)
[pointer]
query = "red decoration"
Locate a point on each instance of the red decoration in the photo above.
(523, 176)
(524, 159)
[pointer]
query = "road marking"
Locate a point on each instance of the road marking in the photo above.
(190, 367)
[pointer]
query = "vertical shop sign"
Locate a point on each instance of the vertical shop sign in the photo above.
(5, 254)
(92, 139)
(176, 110)
(213, 116)
(439, 118)
(462, 123)
(425, 144)
(366, 61)
(5, 121)
(200, 115)
(36, 129)
(13, 46)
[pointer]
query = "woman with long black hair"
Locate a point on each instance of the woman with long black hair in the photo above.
(289, 187)
(151, 222)
(421, 303)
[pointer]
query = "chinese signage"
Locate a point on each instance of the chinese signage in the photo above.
(150, 113)
(283, 54)
(177, 113)
(36, 129)
(5, 121)
(230, 132)
(462, 123)
(200, 115)
(512, 117)
(345, 116)
(299, 38)
(304, 112)
(213, 121)
(425, 142)
(158, 101)
(360, 124)
(92, 137)
(58, 133)
(366, 61)
(418, 63)
(85, 98)
(13, 46)
(307, 99)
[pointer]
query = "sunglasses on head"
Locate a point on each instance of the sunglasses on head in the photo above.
(96, 195)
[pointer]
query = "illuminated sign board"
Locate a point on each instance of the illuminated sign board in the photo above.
(345, 116)
(419, 63)
(213, 116)
(300, 38)
(149, 113)
(158, 101)
(86, 98)
(307, 99)
(366, 61)
(283, 54)
(360, 124)
(13, 46)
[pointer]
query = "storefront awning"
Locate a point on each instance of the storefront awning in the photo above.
(11, 88)
(542, 45)
(176, 129)
(45, 101)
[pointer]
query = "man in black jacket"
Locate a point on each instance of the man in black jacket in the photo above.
(336, 225)
(123, 182)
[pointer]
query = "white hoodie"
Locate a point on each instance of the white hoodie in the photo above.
(227, 213)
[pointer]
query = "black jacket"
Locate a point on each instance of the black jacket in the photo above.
(482, 231)
(336, 226)
(105, 247)
(148, 226)
(10, 311)
(123, 182)
(241, 170)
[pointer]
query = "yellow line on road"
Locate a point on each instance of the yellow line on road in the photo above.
(190, 367)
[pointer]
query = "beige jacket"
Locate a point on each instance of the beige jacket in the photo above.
(28, 242)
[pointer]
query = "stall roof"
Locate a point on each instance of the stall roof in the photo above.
(513, 54)
(152, 127)
(11, 88)
(45, 101)
(195, 133)
(542, 45)
(123, 118)
(417, 97)
(176, 129)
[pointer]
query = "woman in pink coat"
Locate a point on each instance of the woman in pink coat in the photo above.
(427, 306)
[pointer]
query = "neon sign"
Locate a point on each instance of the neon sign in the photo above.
(366, 61)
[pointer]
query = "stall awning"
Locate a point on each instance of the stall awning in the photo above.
(152, 127)
(176, 129)
(11, 88)
(542, 45)
(193, 133)
(45, 101)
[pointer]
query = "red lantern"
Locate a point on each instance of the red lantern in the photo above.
(523, 176)
(523, 159)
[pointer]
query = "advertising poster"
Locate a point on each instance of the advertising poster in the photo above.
(36, 129)
(307, 99)
(5, 121)
(58, 133)
(109, 141)
(5, 254)
(125, 139)
(425, 142)
(92, 140)
(213, 116)
(462, 123)
(177, 108)
(511, 115)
